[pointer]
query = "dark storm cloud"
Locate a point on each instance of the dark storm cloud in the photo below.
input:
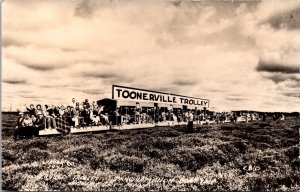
(88, 91)
(100, 75)
(84, 9)
(54, 86)
(108, 77)
(276, 68)
(169, 89)
(234, 95)
(30, 96)
(292, 94)
(216, 90)
(68, 50)
(92, 92)
(289, 20)
(118, 80)
(14, 81)
(176, 3)
(41, 67)
(10, 42)
(280, 78)
(184, 82)
(235, 99)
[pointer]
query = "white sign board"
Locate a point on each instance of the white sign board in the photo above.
(140, 95)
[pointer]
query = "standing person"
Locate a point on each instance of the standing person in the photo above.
(137, 116)
(73, 102)
(190, 118)
(282, 117)
(264, 116)
(185, 114)
(86, 116)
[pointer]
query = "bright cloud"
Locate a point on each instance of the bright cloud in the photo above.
(241, 55)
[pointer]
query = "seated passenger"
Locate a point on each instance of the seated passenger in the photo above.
(85, 113)
(40, 122)
(173, 117)
(95, 108)
(56, 111)
(86, 103)
(20, 119)
(125, 119)
(94, 117)
(62, 111)
(163, 116)
(51, 111)
(27, 121)
(25, 126)
(38, 109)
(77, 119)
(31, 110)
(50, 121)
(69, 114)
(104, 119)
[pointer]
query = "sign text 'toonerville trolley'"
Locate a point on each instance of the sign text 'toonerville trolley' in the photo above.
(133, 94)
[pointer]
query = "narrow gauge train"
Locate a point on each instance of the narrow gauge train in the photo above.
(132, 108)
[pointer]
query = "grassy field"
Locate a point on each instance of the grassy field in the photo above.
(253, 156)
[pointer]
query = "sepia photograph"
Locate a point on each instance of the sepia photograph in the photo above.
(150, 95)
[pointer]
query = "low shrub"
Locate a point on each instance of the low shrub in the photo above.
(264, 124)
(229, 149)
(242, 146)
(153, 153)
(81, 154)
(288, 142)
(227, 127)
(132, 164)
(35, 144)
(13, 182)
(34, 154)
(163, 144)
(292, 152)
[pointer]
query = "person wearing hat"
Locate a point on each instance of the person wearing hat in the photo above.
(40, 121)
(24, 126)
(20, 119)
(86, 103)
(27, 121)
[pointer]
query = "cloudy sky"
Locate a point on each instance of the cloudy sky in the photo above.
(240, 55)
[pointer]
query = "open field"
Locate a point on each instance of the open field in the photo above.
(253, 156)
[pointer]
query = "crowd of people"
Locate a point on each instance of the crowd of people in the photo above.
(84, 114)
(53, 117)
